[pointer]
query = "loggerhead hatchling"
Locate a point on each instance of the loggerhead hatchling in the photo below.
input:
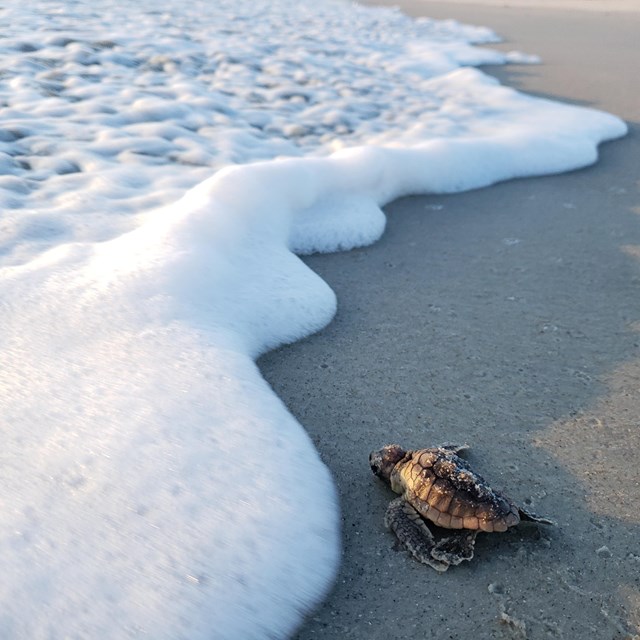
(437, 485)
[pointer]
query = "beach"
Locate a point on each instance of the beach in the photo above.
(158, 188)
(506, 318)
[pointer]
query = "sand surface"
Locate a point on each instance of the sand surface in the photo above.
(507, 318)
(606, 6)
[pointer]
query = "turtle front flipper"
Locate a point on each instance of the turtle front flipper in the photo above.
(412, 532)
(454, 448)
(455, 548)
(529, 516)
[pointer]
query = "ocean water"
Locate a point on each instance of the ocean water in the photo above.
(162, 166)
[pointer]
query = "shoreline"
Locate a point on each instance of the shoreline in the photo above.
(507, 318)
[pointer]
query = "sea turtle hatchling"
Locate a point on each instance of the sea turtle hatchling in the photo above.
(437, 485)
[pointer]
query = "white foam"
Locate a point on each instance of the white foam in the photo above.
(151, 482)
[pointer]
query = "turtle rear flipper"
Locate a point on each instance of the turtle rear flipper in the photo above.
(412, 532)
(529, 516)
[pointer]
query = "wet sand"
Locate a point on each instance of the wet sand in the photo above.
(507, 318)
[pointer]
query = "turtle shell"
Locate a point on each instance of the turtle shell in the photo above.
(444, 489)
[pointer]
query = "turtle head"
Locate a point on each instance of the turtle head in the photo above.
(382, 462)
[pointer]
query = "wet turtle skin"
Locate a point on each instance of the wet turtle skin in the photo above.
(438, 486)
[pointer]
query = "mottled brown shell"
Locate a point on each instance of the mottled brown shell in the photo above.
(443, 489)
